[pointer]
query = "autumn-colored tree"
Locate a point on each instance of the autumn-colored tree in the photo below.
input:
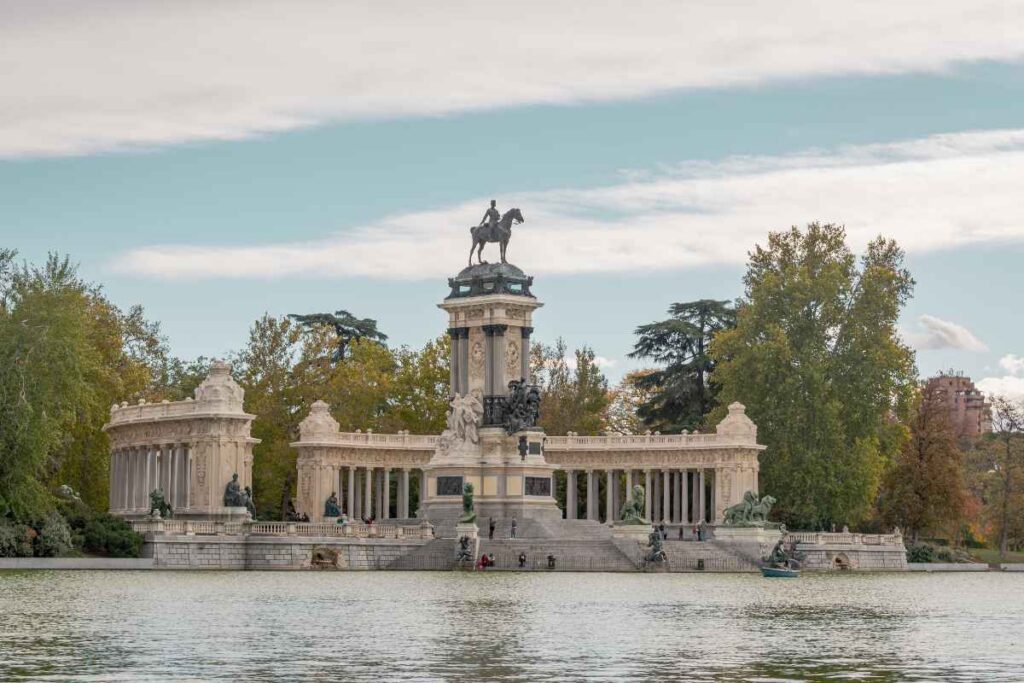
(1004, 453)
(625, 399)
(817, 359)
(923, 490)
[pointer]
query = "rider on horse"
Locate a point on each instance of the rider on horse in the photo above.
(492, 215)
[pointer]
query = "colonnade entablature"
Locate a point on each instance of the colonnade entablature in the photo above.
(190, 449)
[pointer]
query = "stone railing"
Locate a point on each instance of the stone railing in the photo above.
(145, 412)
(644, 441)
(839, 538)
(368, 439)
(207, 528)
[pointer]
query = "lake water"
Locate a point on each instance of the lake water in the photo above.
(162, 626)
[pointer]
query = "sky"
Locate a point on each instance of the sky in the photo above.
(216, 160)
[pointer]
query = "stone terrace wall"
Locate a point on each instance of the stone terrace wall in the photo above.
(274, 553)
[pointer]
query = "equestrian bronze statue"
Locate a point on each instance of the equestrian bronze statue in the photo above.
(493, 228)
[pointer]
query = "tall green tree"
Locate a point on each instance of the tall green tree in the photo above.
(347, 329)
(66, 355)
(682, 392)
(264, 370)
(924, 489)
(816, 358)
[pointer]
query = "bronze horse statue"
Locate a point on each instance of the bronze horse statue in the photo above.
(500, 232)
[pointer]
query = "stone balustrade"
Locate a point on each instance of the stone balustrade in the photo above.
(844, 538)
(208, 528)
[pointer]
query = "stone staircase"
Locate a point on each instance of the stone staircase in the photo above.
(574, 555)
(685, 556)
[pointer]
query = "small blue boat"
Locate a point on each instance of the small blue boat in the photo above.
(780, 572)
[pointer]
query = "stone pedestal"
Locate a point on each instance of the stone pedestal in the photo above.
(752, 542)
(215, 514)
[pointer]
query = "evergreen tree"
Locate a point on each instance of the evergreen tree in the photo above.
(681, 393)
(817, 359)
(347, 329)
(924, 489)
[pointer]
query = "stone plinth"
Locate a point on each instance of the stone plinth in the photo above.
(751, 542)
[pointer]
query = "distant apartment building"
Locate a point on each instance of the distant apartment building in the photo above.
(969, 412)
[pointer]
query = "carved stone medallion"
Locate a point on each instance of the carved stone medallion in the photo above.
(512, 358)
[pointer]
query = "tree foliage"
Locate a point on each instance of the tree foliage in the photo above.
(575, 395)
(1003, 451)
(816, 358)
(681, 392)
(66, 355)
(924, 490)
(347, 329)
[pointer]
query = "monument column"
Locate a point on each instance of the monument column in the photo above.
(524, 350)
(700, 497)
(350, 508)
(609, 497)
(404, 511)
(464, 361)
(385, 477)
(454, 334)
(666, 493)
(685, 475)
(367, 492)
(570, 494)
(649, 491)
(488, 360)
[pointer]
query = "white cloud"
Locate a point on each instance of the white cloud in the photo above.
(1013, 364)
(939, 192)
(936, 333)
(81, 77)
(1007, 386)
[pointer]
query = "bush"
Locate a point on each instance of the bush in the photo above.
(15, 539)
(921, 553)
(54, 537)
(111, 536)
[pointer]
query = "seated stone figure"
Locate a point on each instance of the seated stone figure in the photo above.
(633, 510)
(233, 496)
(331, 506)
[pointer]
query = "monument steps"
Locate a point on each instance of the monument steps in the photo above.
(683, 556)
(570, 554)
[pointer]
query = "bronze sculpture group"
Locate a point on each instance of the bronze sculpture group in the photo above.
(751, 511)
(234, 496)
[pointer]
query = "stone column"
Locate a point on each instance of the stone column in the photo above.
(423, 483)
(590, 494)
(685, 475)
(677, 497)
(385, 477)
(609, 497)
(616, 504)
(454, 334)
(404, 500)
(498, 360)
(666, 495)
(464, 361)
(368, 493)
(350, 499)
(648, 494)
(488, 360)
(524, 350)
(701, 516)
(570, 494)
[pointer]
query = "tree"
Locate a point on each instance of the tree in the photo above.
(347, 329)
(625, 400)
(264, 370)
(1005, 450)
(66, 355)
(574, 394)
(924, 489)
(817, 359)
(682, 392)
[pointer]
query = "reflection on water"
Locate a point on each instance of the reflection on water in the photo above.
(162, 626)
